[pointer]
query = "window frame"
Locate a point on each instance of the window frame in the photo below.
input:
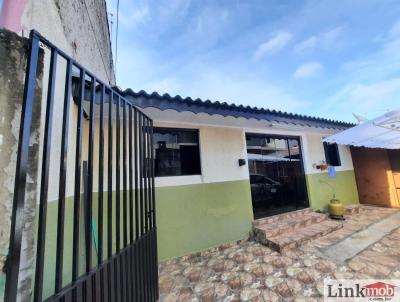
(328, 157)
(177, 129)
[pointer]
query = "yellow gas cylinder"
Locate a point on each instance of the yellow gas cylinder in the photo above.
(336, 208)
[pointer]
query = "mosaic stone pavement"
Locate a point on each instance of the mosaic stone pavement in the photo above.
(248, 271)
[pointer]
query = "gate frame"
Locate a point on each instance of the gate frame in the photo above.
(141, 246)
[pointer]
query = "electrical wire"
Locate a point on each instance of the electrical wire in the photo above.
(116, 41)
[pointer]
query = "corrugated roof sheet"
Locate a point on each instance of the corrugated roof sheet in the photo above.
(381, 132)
(143, 99)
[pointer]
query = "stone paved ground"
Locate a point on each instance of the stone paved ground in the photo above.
(248, 271)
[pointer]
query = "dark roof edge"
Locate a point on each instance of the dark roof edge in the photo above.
(233, 107)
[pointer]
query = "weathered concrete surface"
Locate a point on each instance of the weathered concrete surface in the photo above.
(13, 54)
(358, 242)
(80, 28)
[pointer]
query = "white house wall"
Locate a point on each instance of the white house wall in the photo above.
(220, 150)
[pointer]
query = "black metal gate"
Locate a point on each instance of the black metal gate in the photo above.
(117, 260)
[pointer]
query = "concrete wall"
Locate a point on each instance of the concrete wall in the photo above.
(197, 212)
(314, 153)
(80, 28)
(320, 186)
(178, 197)
(220, 149)
(13, 54)
(187, 205)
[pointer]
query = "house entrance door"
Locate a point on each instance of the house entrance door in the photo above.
(276, 174)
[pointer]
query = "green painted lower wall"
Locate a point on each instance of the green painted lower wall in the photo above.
(2, 285)
(192, 218)
(51, 240)
(344, 186)
(189, 218)
(196, 217)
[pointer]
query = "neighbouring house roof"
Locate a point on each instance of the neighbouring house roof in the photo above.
(143, 99)
(381, 132)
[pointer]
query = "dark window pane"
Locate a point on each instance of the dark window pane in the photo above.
(332, 154)
(177, 152)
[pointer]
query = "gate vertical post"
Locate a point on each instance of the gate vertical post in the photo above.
(17, 215)
(44, 181)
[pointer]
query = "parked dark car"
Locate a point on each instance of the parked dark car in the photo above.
(263, 190)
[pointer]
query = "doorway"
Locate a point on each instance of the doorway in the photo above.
(276, 174)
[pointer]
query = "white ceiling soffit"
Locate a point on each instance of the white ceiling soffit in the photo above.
(382, 132)
(216, 120)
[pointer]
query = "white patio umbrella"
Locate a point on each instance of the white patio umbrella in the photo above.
(381, 132)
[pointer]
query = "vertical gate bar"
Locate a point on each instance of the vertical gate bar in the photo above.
(104, 283)
(124, 276)
(130, 260)
(150, 261)
(44, 181)
(153, 266)
(149, 150)
(124, 174)
(87, 286)
(118, 177)
(110, 267)
(77, 188)
(152, 159)
(153, 198)
(146, 180)
(90, 176)
(127, 276)
(80, 292)
(148, 211)
(135, 124)
(130, 177)
(140, 126)
(151, 243)
(111, 281)
(142, 214)
(150, 146)
(124, 267)
(136, 271)
(148, 266)
(153, 263)
(62, 179)
(140, 276)
(97, 286)
(145, 170)
(117, 282)
(101, 179)
(110, 178)
(17, 215)
(86, 224)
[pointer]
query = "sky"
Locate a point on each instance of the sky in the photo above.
(321, 58)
